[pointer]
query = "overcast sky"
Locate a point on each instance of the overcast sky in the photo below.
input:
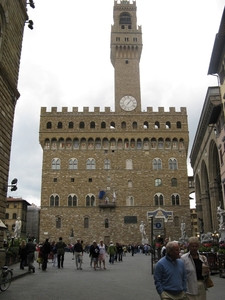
(66, 62)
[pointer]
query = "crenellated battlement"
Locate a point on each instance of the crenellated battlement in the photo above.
(108, 110)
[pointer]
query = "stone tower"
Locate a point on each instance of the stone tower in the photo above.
(13, 15)
(104, 172)
(126, 47)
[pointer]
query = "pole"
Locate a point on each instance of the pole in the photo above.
(153, 254)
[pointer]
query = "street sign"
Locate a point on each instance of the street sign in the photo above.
(158, 226)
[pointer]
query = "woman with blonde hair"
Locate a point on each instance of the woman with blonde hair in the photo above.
(196, 266)
(22, 254)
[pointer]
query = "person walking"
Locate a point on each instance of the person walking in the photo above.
(197, 267)
(46, 249)
(78, 250)
(39, 256)
(22, 254)
(170, 274)
(112, 252)
(60, 247)
(119, 252)
(54, 254)
(102, 252)
(95, 254)
(30, 249)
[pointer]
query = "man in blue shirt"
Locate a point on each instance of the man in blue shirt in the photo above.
(170, 274)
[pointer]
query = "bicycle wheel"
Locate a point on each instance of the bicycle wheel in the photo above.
(5, 280)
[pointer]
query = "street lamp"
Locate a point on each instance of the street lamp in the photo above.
(13, 185)
(215, 237)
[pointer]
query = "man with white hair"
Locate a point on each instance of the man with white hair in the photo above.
(170, 274)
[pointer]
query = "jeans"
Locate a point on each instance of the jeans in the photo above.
(60, 258)
(78, 258)
(30, 260)
(111, 258)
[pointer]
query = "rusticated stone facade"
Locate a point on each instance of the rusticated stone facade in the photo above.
(104, 171)
(12, 19)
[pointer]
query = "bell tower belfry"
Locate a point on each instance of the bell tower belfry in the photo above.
(126, 48)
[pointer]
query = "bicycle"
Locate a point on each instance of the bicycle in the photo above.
(5, 278)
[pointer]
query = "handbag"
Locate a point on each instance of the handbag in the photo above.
(208, 282)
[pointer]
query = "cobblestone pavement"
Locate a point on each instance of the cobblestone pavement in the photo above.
(130, 279)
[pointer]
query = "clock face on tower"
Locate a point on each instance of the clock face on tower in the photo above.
(128, 103)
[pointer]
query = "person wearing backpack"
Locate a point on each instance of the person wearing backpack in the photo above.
(60, 246)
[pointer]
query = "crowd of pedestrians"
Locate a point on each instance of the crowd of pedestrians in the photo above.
(177, 276)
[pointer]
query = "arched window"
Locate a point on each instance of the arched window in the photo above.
(175, 199)
(160, 143)
(90, 164)
(90, 200)
(68, 143)
(49, 125)
(106, 223)
(158, 182)
(158, 199)
(146, 143)
(14, 216)
(105, 143)
(123, 125)
(92, 125)
(126, 144)
(112, 125)
(130, 201)
(139, 144)
(7, 216)
(103, 125)
(47, 144)
(174, 182)
(54, 144)
(125, 19)
(73, 164)
(86, 222)
(129, 164)
(130, 184)
(167, 143)
(168, 125)
(173, 164)
(54, 200)
(157, 125)
(81, 125)
(90, 144)
(120, 144)
(58, 222)
(60, 125)
(132, 143)
(98, 143)
(83, 144)
(72, 200)
(175, 143)
(61, 143)
(145, 126)
(179, 124)
(76, 143)
(55, 164)
(157, 164)
(70, 125)
(107, 164)
(134, 125)
(113, 143)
